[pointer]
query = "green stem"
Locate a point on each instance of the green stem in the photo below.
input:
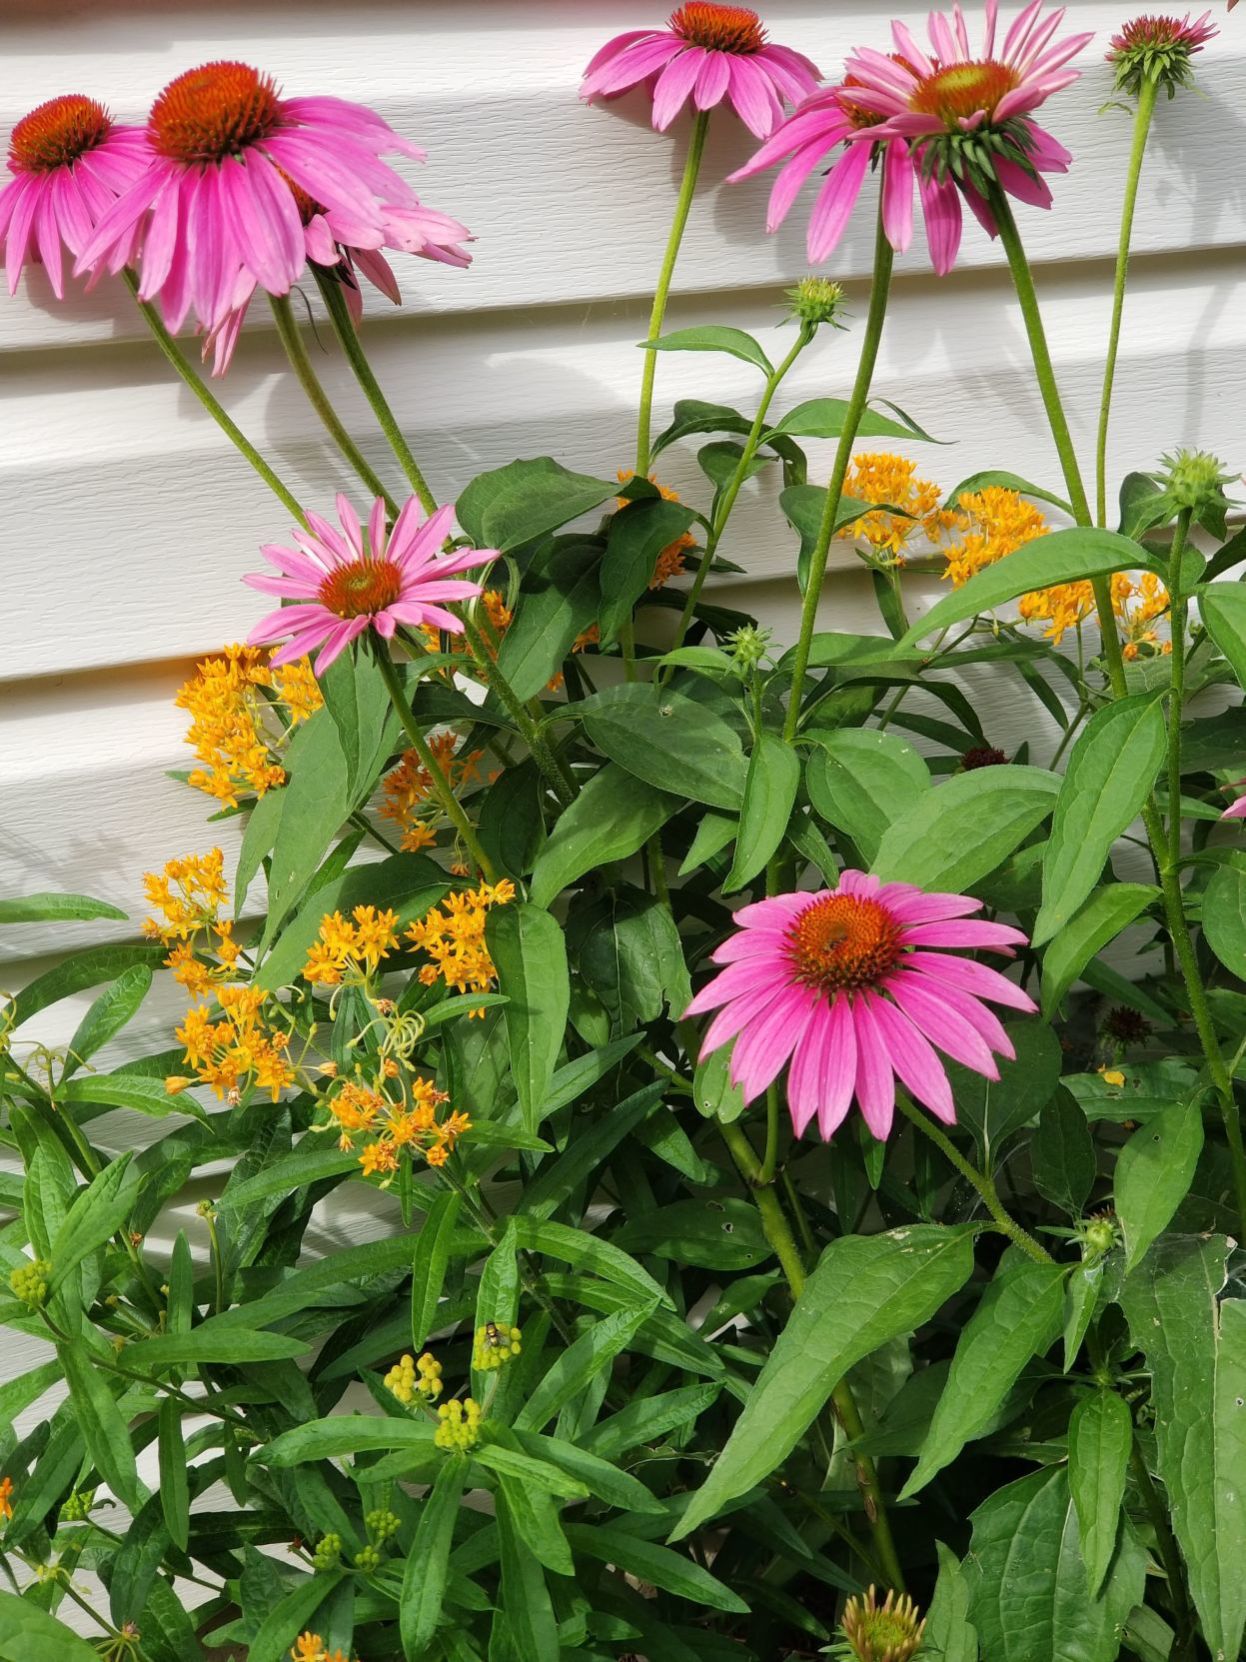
(981, 1181)
(340, 316)
(778, 1233)
(450, 804)
(545, 757)
(1169, 1556)
(318, 398)
(879, 290)
(1142, 126)
(192, 378)
(1177, 610)
(736, 482)
(683, 206)
(770, 1159)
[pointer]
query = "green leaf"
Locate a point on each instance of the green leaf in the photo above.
(83, 969)
(1017, 1317)
(108, 1015)
(769, 796)
(212, 1341)
(668, 740)
(612, 817)
(804, 506)
(314, 806)
(296, 1170)
(865, 1291)
(428, 1562)
(658, 1565)
(1224, 916)
(928, 845)
(586, 1152)
(823, 418)
(515, 504)
(1108, 780)
(1195, 1347)
(257, 843)
(529, 951)
(104, 1431)
(588, 1253)
(1154, 1172)
(861, 781)
(560, 597)
(95, 1216)
(1030, 1598)
(1070, 556)
(57, 908)
(950, 1636)
(716, 830)
(628, 952)
(123, 1090)
(596, 1475)
(533, 1473)
(637, 535)
(1100, 1437)
(174, 1487)
(693, 415)
(649, 1419)
(1096, 923)
(712, 337)
(29, 1634)
(292, 1616)
(712, 1090)
(358, 700)
(706, 1233)
(1222, 607)
(1062, 1153)
(340, 1434)
(525, 1597)
(428, 1268)
(580, 1363)
(997, 477)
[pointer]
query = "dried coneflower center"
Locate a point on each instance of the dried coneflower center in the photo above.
(361, 588)
(57, 133)
(217, 110)
(719, 28)
(844, 941)
(960, 91)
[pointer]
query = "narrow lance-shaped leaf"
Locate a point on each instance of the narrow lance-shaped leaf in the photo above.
(528, 949)
(428, 1267)
(1100, 1435)
(769, 797)
(576, 1366)
(713, 337)
(110, 1012)
(424, 1579)
(174, 1488)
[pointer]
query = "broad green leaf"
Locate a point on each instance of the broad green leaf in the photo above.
(928, 845)
(428, 1268)
(174, 1488)
(57, 908)
(637, 535)
(108, 1015)
(1030, 1598)
(658, 1565)
(1222, 607)
(804, 506)
(613, 816)
(588, 1253)
(560, 597)
(865, 1291)
(950, 1635)
(314, 806)
(575, 1367)
(1096, 923)
(515, 504)
(1224, 916)
(83, 969)
(668, 740)
(693, 415)
(712, 1090)
(707, 1233)
(1062, 1153)
(29, 1634)
(525, 1597)
(95, 1216)
(529, 951)
(992, 1109)
(1100, 1437)
(1154, 1171)
(1108, 780)
(212, 1341)
(627, 949)
(1002, 480)
(104, 1431)
(1081, 1296)
(428, 1562)
(291, 1616)
(861, 781)
(296, 1170)
(358, 700)
(124, 1090)
(348, 1434)
(1017, 1317)
(823, 418)
(716, 830)
(1195, 1346)
(712, 337)
(769, 796)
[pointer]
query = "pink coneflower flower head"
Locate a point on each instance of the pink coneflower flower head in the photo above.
(70, 162)
(706, 53)
(218, 215)
(967, 113)
(346, 581)
(844, 987)
(1158, 50)
(1236, 810)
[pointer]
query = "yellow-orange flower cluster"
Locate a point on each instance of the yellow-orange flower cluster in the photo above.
(351, 950)
(189, 894)
(884, 478)
(309, 1647)
(453, 936)
(6, 1498)
(388, 1126)
(409, 799)
(239, 1048)
(670, 562)
(1061, 607)
(1138, 606)
(497, 620)
(989, 525)
(241, 710)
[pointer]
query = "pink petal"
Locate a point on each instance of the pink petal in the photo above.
(876, 1083)
(970, 932)
(941, 1024)
(804, 1080)
(789, 180)
(673, 85)
(836, 200)
(736, 1015)
(765, 1044)
(979, 980)
(941, 206)
(898, 195)
(839, 1066)
(914, 1060)
(752, 96)
(745, 977)
(713, 80)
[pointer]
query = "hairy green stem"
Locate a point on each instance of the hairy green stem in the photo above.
(879, 289)
(778, 1233)
(550, 764)
(1178, 608)
(347, 334)
(979, 1180)
(186, 370)
(450, 804)
(318, 398)
(683, 206)
(1142, 126)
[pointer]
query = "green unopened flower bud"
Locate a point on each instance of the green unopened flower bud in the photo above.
(749, 645)
(1194, 479)
(459, 1428)
(887, 1632)
(328, 1552)
(1099, 1235)
(78, 1507)
(815, 300)
(29, 1282)
(369, 1560)
(1157, 50)
(382, 1524)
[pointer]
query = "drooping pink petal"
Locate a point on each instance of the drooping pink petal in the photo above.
(914, 1059)
(836, 200)
(876, 1081)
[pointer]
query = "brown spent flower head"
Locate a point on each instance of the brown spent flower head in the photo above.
(1126, 1026)
(887, 1632)
(983, 756)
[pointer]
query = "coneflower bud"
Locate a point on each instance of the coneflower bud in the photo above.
(816, 300)
(1157, 50)
(887, 1632)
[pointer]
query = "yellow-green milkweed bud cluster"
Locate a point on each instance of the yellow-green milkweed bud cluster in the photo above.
(460, 1425)
(29, 1282)
(409, 1376)
(495, 1344)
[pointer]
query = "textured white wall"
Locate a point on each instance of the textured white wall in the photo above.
(128, 520)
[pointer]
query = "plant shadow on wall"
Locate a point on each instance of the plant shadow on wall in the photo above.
(805, 1240)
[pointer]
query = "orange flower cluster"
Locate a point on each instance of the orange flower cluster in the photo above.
(309, 1647)
(238, 1049)
(361, 1111)
(885, 478)
(351, 951)
(409, 800)
(1138, 605)
(990, 524)
(453, 936)
(6, 1498)
(241, 710)
(670, 562)
(190, 893)
(498, 617)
